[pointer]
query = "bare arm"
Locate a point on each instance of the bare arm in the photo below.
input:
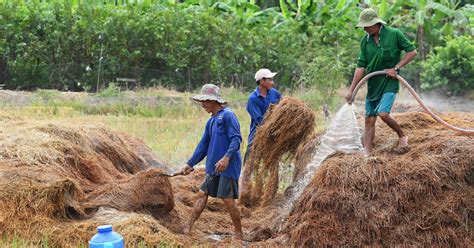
(358, 75)
(405, 60)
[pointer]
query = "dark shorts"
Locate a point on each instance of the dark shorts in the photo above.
(383, 105)
(220, 187)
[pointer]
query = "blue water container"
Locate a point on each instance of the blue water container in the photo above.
(106, 238)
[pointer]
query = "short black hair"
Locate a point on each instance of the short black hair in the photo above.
(259, 81)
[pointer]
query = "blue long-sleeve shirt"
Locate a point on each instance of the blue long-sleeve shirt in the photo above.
(257, 105)
(221, 138)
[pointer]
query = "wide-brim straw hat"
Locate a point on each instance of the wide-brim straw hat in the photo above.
(368, 17)
(209, 92)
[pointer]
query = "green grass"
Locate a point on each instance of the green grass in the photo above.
(17, 242)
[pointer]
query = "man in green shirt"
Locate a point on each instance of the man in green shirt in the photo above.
(380, 49)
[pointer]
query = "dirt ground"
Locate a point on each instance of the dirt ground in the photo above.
(55, 195)
(432, 149)
(260, 225)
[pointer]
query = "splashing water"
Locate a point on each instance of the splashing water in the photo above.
(342, 135)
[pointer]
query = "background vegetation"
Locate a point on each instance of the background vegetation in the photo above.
(86, 45)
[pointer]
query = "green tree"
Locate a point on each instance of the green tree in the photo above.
(451, 67)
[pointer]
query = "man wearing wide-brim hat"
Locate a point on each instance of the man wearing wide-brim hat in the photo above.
(220, 143)
(380, 49)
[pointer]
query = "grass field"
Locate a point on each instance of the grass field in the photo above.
(166, 120)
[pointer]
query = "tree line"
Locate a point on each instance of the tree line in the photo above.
(85, 45)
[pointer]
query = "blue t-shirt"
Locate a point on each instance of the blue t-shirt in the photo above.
(221, 138)
(257, 105)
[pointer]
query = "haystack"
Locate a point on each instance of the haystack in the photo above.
(147, 191)
(423, 198)
(284, 128)
(53, 175)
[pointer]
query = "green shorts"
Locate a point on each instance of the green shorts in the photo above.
(220, 187)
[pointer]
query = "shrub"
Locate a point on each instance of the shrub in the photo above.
(53, 45)
(451, 68)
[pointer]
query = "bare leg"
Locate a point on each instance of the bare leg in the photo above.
(369, 134)
(198, 208)
(235, 216)
(393, 124)
(245, 179)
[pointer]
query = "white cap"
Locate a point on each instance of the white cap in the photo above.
(264, 73)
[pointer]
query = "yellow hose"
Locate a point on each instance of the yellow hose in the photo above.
(417, 98)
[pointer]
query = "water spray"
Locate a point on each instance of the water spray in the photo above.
(342, 135)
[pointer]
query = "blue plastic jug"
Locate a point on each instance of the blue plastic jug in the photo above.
(106, 238)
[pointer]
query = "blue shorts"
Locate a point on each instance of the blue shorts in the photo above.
(382, 105)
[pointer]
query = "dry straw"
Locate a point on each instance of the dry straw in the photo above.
(423, 198)
(284, 128)
(54, 177)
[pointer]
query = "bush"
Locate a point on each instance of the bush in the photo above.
(53, 45)
(325, 67)
(112, 90)
(451, 68)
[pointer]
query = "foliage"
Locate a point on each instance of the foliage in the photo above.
(111, 91)
(327, 63)
(183, 44)
(451, 68)
(54, 45)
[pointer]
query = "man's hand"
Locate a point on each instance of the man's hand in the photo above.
(349, 97)
(222, 164)
(358, 75)
(391, 73)
(186, 170)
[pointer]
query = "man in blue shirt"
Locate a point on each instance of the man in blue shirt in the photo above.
(220, 143)
(258, 103)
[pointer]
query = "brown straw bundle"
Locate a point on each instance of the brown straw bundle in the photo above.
(285, 126)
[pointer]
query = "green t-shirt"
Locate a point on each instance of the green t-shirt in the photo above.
(386, 55)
